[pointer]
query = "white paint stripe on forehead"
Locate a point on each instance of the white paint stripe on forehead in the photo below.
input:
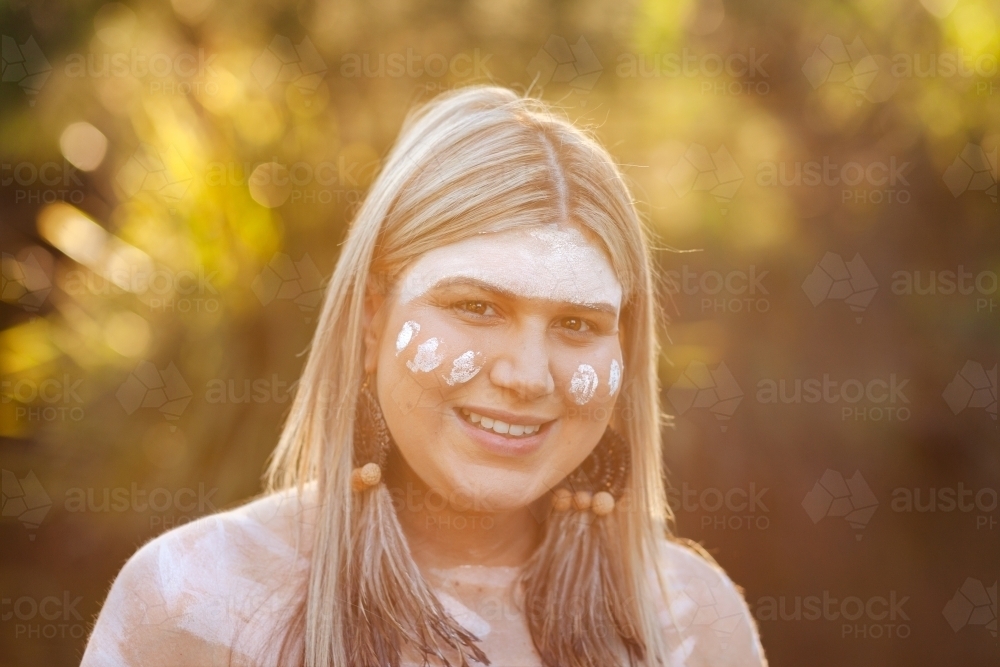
(553, 263)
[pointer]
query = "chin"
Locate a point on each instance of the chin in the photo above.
(495, 489)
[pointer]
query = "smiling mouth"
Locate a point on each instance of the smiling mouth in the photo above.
(496, 426)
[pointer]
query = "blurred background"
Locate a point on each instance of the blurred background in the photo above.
(176, 177)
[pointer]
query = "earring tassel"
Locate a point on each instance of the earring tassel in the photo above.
(392, 607)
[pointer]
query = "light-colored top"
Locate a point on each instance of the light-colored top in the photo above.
(216, 590)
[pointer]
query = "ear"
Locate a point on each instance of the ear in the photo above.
(374, 325)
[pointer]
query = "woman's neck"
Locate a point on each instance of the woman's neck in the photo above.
(441, 536)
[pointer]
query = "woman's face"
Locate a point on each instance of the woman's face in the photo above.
(498, 362)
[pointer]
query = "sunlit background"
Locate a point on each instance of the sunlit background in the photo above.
(176, 177)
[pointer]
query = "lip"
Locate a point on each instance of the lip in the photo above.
(503, 445)
(509, 417)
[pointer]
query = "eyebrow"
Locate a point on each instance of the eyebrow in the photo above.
(463, 281)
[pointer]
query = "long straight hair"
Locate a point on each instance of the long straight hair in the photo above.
(475, 159)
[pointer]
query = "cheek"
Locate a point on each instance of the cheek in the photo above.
(590, 378)
(439, 355)
(465, 366)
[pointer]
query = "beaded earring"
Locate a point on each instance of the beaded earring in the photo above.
(371, 441)
(599, 481)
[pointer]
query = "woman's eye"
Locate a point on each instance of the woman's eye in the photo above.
(575, 324)
(475, 307)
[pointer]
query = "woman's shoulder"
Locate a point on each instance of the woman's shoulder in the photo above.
(209, 590)
(706, 616)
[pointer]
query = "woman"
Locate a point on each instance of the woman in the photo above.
(471, 470)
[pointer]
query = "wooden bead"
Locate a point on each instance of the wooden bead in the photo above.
(582, 500)
(603, 503)
(356, 483)
(371, 474)
(562, 500)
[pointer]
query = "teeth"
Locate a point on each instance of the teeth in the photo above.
(498, 426)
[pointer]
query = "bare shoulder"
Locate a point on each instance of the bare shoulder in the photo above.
(706, 616)
(210, 592)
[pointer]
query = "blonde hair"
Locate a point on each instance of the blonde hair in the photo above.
(473, 159)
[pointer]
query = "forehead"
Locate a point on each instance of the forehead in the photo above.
(551, 262)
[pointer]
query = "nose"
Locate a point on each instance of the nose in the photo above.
(522, 367)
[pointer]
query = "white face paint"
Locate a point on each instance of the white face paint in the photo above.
(615, 377)
(575, 270)
(584, 384)
(427, 358)
(406, 334)
(464, 368)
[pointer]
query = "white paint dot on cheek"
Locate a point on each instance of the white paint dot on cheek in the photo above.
(427, 357)
(584, 383)
(615, 376)
(464, 368)
(406, 334)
